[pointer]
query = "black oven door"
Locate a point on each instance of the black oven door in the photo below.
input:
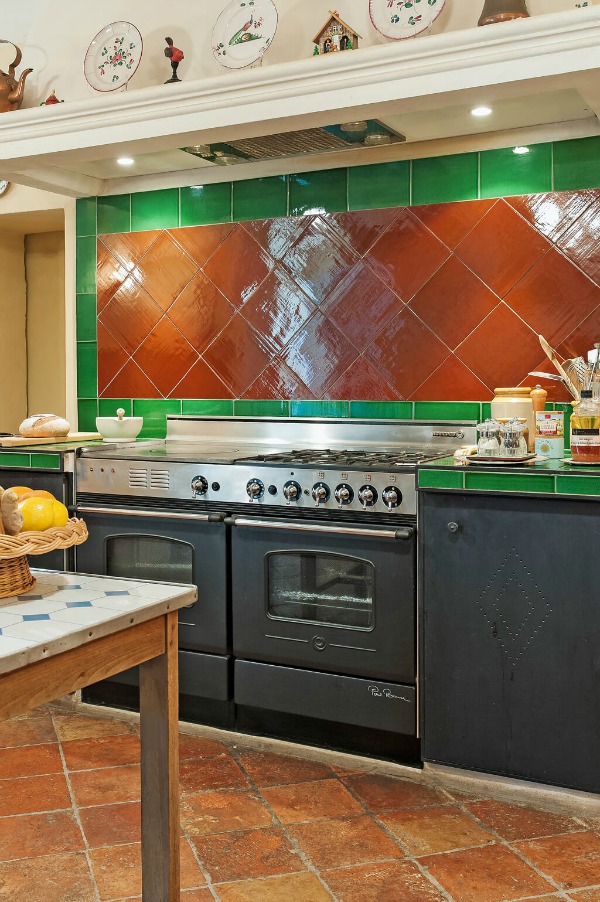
(337, 598)
(168, 547)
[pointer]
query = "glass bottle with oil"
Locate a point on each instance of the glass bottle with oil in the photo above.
(585, 430)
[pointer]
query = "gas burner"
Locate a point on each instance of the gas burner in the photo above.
(345, 458)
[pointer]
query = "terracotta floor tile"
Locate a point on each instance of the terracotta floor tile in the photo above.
(47, 878)
(28, 794)
(424, 831)
(197, 895)
(198, 774)
(299, 887)
(247, 854)
(27, 835)
(199, 747)
(27, 731)
(266, 769)
(344, 841)
(106, 786)
(310, 801)
(220, 812)
(491, 874)
(572, 860)
(586, 895)
(380, 793)
(396, 881)
(30, 760)
(516, 822)
(118, 870)
(109, 751)
(109, 825)
(79, 726)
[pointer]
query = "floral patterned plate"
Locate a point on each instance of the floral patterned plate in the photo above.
(243, 32)
(113, 56)
(399, 19)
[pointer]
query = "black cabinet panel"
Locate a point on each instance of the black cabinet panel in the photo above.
(511, 636)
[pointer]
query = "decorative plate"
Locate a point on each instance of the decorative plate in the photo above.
(503, 461)
(4, 186)
(113, 56)
(399, 19)
(578, 463)
(243, 32)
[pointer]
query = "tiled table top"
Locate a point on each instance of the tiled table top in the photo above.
(64, 610)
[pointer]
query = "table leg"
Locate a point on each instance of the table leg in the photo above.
(159, 701)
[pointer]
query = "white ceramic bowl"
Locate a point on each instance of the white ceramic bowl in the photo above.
(112, 429)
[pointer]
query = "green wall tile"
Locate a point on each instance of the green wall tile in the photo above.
(509, 482)
(14, 459)
(86, 415)
(46, 461)
(486, 410)
(85, 216)
(205, 204)
(85, 268)
(87, 369)
(381, 410)
(320, 408)
(155, 416)
(260, 198)
(261, 408)
(441, 479)
(155, 210)
(114, 214)
(577, 164)
(578, 485)
(86, 317)
(447, 410)
(379, 185)
(107, 407)
(215, 407)
(504, 173)
(436, 180)
(319, 192)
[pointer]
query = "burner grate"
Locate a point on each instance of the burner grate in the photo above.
(347, 458)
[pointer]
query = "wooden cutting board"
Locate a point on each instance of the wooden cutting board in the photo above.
(13, 441)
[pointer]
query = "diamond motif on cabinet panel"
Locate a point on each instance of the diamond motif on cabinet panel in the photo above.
(238, 266)
(165, 356)
(276, 236)
(406, 255)
(201, 312)
(165, 270)
(361, 229)
(319, 260)
(361, 291)
(130, 316)
(453, 222)
(277, 310)
(319, 354)
(514, 606)
(200, 242)
(238, 355)
(277, 382)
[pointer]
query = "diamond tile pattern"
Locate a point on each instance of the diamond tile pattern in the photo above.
(435, 302)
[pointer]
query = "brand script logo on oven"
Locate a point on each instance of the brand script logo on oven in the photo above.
(385, 693)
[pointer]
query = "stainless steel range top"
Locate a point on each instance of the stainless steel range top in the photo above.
(332, 465)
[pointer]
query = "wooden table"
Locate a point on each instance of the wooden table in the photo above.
(71, 630)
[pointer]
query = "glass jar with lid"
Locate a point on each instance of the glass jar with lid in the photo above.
(585, 430)
(489, 439)
(513, 442)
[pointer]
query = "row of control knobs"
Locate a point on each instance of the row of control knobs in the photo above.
(343, 494)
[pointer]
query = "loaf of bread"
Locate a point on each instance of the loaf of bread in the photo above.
(44, 425)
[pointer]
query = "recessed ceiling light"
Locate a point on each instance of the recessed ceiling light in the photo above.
(376, 139)
(125, 161)
(520, 150)
(353, 127)
(481, 111)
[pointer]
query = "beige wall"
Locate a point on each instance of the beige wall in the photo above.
(13, 353)
(45, 273)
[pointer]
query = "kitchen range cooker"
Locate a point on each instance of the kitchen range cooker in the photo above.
(301, 537)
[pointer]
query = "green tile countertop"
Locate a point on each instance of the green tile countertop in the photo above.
(546, 477)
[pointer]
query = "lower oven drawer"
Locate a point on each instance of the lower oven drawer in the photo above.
(325, 696)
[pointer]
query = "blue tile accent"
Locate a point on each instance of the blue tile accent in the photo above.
(66, 588)
(110, 594)
(79, 604)
(36, 616)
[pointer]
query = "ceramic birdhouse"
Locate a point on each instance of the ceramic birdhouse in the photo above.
(335, 35)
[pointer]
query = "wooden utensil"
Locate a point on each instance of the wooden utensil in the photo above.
(552, 355)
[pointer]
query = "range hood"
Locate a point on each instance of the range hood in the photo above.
(541, 76)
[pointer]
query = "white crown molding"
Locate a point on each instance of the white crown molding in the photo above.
(534, 54)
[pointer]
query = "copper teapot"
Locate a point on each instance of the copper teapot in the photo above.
(11, 90)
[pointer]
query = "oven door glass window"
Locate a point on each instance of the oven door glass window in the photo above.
(318, 587)
(150, 557)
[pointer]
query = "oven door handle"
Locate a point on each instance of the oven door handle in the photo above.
(405, 532)
(151, 515)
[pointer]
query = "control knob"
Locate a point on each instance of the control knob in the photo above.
(320, 493)
(344, 494)
(392, 497)
(255, 489)
(199, 486)
(367, 495)
(291, 491)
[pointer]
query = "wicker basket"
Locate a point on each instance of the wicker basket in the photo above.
(15, 575)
